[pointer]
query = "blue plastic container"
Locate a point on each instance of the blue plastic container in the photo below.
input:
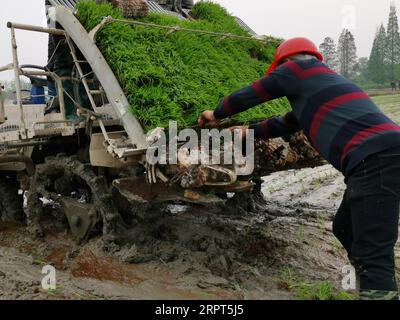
(37, 94)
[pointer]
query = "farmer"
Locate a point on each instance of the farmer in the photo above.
(349, 131)
(61, 63)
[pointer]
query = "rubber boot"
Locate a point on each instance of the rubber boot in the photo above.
(374, 294)
(378, 295)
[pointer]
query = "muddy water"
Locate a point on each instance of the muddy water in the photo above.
(316, 190)
(193, 253)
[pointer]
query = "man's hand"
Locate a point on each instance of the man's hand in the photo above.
(244, 129)
(207, 118)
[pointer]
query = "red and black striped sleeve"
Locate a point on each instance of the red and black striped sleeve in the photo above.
(276, 127)
(282, 82)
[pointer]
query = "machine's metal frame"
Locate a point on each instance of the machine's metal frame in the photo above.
(31, 125)
(75, 32)
(77, 37)
(56, 124)
(126, 147)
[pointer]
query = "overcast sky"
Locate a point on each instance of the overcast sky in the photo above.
(315, 19)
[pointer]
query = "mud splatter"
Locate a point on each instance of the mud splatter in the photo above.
(87, 265)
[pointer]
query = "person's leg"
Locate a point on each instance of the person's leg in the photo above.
(51, 86)
(81, 94)
(53, 105)
(66, 79)
(342, 226)
(375, 218)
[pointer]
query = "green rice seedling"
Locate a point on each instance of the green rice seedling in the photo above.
(176, 76)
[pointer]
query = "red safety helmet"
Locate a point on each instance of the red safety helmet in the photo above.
(292, 47)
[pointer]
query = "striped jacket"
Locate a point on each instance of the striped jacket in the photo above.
(342, 123)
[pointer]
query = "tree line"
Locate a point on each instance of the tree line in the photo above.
(380, 69)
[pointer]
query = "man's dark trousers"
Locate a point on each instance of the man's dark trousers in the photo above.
(367, 222)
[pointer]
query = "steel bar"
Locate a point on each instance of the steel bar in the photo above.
(28, 27)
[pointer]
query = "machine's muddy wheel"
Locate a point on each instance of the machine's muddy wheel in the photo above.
(10, 201)
(83, 195)
(248, 202)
